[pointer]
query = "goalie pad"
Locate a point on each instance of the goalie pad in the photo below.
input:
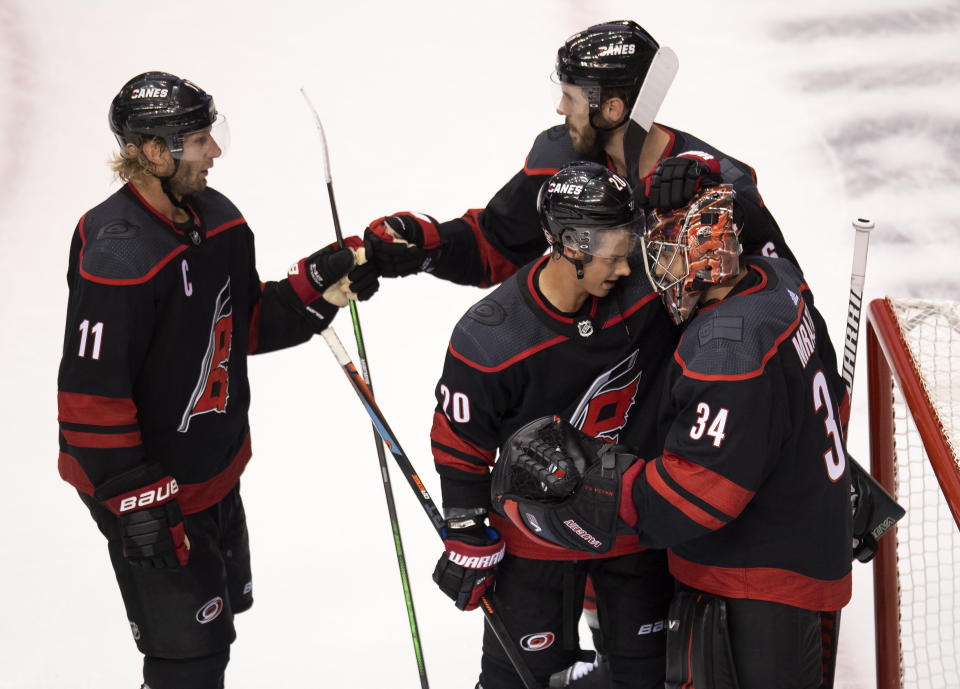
(698, 643)
(559, 485)
(875, 512)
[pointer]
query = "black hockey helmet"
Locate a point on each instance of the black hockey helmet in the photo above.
(158, 104)
(582, 204)
(608, 55)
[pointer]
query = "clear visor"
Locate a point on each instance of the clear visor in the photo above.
(567, 97)
(613, 243)
(207, 143)
(666, 263)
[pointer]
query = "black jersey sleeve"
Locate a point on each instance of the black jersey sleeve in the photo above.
(714, 459)
(465, 432)
(275, 322)
(106, 338)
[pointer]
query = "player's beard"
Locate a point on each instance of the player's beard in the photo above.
(189, 180)
(589, 139)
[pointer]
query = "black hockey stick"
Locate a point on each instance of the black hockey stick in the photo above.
(488, 603)
(384, 473)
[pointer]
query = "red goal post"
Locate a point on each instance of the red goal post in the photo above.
(913, 365)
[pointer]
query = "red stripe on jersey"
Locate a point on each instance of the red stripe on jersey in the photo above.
(764, 583)
(709, 486)
(123, 281)
(509, 362)
(442, 434)
(95, 410)
(693, 512)
(253, 332)
(632, 310)
(196, 497)
(495, 266)
(72, 473)
(534, 171)
(102, 440)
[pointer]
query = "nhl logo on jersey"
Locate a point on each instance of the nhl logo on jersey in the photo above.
(585, 327)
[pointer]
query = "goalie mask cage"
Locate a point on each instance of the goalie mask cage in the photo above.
(913, 360)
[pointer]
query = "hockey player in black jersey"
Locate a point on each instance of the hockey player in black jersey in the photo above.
(600, 72)
(751, 488)
(578, 332)
(164, 306)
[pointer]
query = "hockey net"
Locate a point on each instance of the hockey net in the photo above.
(913, 359)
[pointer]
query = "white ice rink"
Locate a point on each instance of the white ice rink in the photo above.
(845, 108)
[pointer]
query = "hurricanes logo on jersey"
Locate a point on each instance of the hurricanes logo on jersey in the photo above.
(211, 392)
(604, 408)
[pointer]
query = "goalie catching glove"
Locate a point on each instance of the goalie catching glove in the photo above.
(401, 244)
(151, 523)
(560, 485)
(472, 551)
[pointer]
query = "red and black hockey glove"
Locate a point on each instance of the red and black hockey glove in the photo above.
(326, 280)
(401, 244)
(151, 523)
(677, 180)
(472, 551)
(558, 484)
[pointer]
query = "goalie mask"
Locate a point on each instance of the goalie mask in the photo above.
(589, 209)
(692, 249)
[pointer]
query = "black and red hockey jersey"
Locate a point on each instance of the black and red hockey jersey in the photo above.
(154, 365)
(752, 491)
(513, 358)
(485, 246)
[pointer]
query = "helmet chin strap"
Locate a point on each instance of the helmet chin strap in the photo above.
(577, 263)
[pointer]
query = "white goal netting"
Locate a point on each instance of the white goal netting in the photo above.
(928, 539)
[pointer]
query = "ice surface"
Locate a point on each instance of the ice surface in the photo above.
(845, 109)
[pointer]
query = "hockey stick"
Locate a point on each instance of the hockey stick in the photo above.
(830, 629)
(488, 603)
(384, 473)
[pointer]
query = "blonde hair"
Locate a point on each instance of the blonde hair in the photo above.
(128, 165)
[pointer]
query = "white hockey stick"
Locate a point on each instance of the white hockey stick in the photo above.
(863, 228)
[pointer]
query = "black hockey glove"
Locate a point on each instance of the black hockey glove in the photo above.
(472, 551)
(874, 512)
(677, 180)
(151, 524)
(326, 280)
(401, 244)
(558, 484)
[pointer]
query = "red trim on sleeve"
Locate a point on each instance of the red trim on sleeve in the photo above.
(536, 171)
(628, 510)
(709, 486)
(495, 266)
(523, 545)
(442, 433)
(72, 473)
(102, 440)
(764, 583)
(692, 512)
(253, 332)
(95, 410)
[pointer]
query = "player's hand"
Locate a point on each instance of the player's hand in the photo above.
(471, 554)
(398, 245)
(151, 523)
(675, 181)
(327, 280)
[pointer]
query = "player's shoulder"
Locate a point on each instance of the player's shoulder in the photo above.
(121, 242)
(733, 170)
(551, 150)
(499, 331)
(737, 337)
